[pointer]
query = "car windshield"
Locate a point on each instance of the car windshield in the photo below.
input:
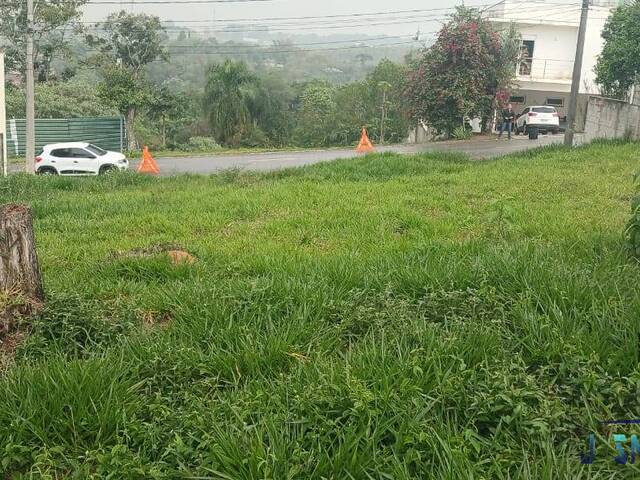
(544, 110)
(97, 150)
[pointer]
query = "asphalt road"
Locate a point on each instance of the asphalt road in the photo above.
(480, 148)
(477, 148)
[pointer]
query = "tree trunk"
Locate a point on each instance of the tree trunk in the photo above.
(131, 136)
(19, 269)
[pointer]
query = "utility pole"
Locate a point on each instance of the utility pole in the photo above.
(30, 153)
(384, 102)
(3, 118)
(384, 86)
(577, 72)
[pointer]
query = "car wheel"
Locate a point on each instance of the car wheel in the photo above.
(47, 171)
(105, 169)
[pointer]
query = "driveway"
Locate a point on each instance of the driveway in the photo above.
(477, 149)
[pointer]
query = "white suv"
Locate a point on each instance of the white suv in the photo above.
(78, 159)
(544, 117)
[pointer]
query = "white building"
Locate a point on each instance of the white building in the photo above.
(549, 38)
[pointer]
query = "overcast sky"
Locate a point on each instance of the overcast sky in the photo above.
(405, 24)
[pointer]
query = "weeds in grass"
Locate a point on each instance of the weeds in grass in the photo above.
(380, 317)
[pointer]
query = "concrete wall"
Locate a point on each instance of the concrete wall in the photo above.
(608, 118)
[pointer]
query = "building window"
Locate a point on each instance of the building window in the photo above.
(526, 57)
(521, 99)
(556, 102)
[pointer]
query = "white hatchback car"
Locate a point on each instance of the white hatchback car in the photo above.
(544, 117)
(78, 158)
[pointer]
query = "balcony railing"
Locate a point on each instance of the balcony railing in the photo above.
(544, 69)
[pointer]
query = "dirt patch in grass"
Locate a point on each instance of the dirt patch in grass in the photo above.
(177, 254)
(8, 346)
(153, 320)
(15, 308)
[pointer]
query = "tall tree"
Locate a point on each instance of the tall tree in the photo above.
(230, 100)
(618, 67)
(54, 20)
(316, 121)
(127, 44)
(460, 74)
(360, 104)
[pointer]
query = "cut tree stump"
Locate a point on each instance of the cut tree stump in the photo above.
(20, 279)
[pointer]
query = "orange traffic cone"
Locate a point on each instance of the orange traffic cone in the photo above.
(148, 164)
(365, 145)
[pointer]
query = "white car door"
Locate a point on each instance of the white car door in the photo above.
(84, 162)
(62, 160)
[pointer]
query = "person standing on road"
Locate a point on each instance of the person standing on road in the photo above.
(508, 116)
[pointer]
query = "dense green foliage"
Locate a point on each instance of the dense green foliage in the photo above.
(129, 42)
(248, 109)
(381, 317)
(131, 64)
(459, 76)
(54, 21)
(633, 227)
(233, 101)
(618, 65)
(72, 99)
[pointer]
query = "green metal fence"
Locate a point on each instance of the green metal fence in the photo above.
(105, 132)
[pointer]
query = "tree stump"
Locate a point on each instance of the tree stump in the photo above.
(21, 291)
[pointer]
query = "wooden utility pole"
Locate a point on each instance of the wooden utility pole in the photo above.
(577, 73)
(30, 153)
(384, 86)
(382, 120)
(19, 269)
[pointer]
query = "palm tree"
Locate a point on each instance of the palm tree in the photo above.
(230, 93)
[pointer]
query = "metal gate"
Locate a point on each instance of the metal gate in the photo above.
(105, 132)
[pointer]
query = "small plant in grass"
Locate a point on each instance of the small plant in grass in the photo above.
(633, 227)
(500, 217)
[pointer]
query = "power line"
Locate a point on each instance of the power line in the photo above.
(270, 52)
(370, 39)
(319, 17)
(344, 16)
(171, 2)
(320, 26)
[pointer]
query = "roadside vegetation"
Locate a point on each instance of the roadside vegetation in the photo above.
(180, 93)
(383, 317)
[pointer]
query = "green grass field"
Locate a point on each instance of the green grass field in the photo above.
(386, 317)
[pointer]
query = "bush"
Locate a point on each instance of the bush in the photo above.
(202, 144)
(633, 227)
(462, 133)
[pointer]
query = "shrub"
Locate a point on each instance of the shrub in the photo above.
(462, 133)
(633, 227)
(202, 144)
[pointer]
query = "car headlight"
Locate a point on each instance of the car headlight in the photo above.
(124, 161)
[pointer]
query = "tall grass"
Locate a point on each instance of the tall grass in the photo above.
(381, 317)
